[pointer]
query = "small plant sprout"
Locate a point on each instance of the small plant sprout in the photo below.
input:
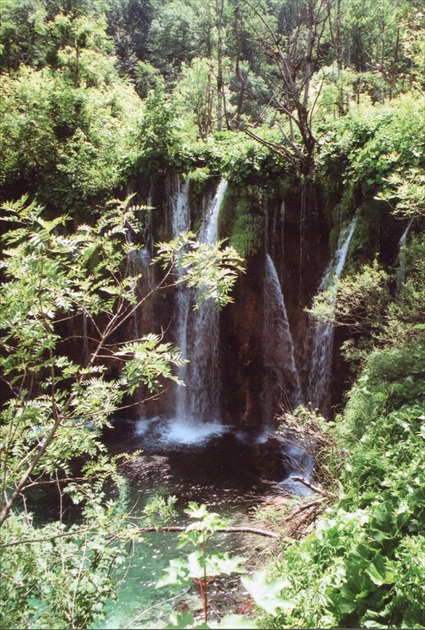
(200, 566)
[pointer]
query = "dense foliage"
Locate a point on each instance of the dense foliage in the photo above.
(363, 565)
(74, 285)
(96, 97)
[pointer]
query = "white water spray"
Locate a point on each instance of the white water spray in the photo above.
(181, 223)
(197, 332)
(401, 273)
(323, 332)
(203, 386)
(301, 463)
(278, 343)
(174, 433)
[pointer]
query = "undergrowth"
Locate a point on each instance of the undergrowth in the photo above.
(363, 565)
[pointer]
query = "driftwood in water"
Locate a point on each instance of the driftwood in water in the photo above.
(144, 530)
(313, 487)
(225, 530)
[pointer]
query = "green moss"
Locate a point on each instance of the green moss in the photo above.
(201, 183)
(242, 219)
(365, 242)
(226, 218)
(350, 200)
(333, 237)
(289, 183)
(247, 236)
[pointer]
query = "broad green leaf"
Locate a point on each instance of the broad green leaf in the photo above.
(268, 593)
(183, 620)
(378, 573)
(224, 563)
(176, 573)
(233, 621)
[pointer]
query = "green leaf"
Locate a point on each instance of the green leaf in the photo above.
(233, 621)
(176, 573)
(376, 571)
(267, 593)
(223, 563)
(182, 620)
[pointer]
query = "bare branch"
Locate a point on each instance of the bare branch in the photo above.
(141, 530)
(312, 487)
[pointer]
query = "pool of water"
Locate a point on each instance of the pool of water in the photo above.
(208, 464)
(140, 604)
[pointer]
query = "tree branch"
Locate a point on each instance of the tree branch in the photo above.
(312, 487)
(224, 530)
(145, 530)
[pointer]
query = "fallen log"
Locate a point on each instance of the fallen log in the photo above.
(313, 487)
(225, 530)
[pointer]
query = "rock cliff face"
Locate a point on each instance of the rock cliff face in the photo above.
(242, 357)
(264, 337)
(266, 332)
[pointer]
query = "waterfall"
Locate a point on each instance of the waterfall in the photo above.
(323, 332)
(209, 228)
(195, 416)
(203, 385)
(197, 332)
(301, 464)
(180, 205)
(401, 272)
(139, 264)
(278, 344)
(181, 223)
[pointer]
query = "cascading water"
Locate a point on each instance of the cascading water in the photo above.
(401, 272)
(139, 263)
(181, 223)
(279, 357)
(278, 344)
(323, 332)
(203, 385)
(301, 464)
(195, 417)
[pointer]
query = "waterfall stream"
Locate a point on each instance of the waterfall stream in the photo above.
(323, 332)
(401, 272)
(301, 463)
(195, 417)
(139, 264)
(203, 383)
(181, 223)
(279, 347)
